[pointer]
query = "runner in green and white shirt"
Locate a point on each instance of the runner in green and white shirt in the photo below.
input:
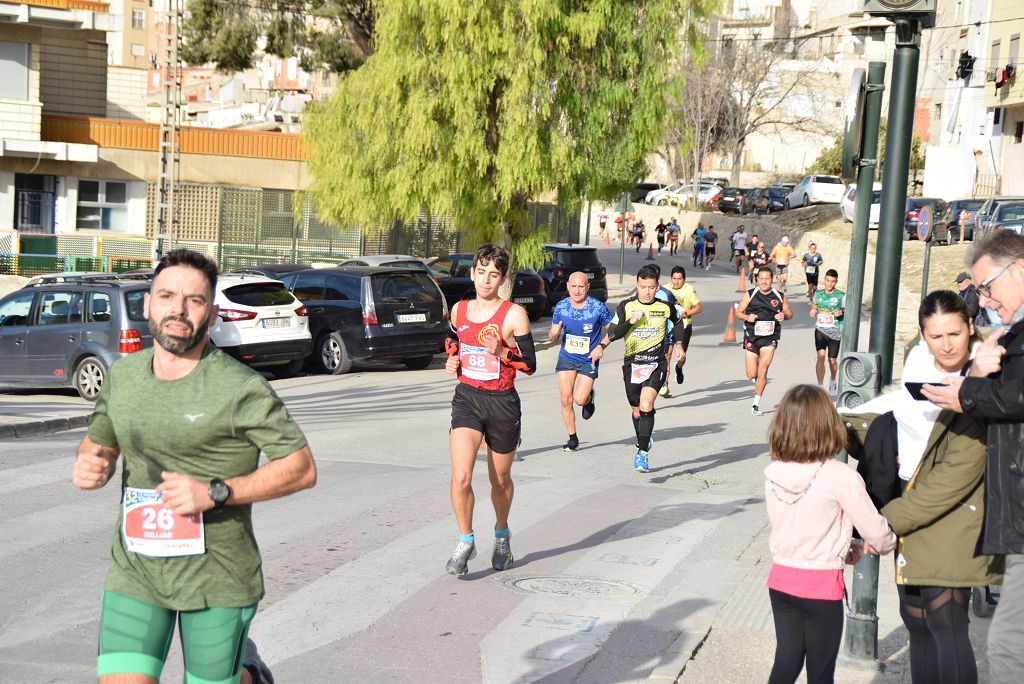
(827, 310)
(189, 424)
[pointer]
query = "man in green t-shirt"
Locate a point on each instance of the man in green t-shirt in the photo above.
(189, 423)
(827, 310)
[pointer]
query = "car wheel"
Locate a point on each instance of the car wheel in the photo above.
(333, 355)
(418, 362)
(287, 370)
(89, 376)
(807, 202)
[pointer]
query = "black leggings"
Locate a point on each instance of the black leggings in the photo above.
(940, 646)
(805, 628)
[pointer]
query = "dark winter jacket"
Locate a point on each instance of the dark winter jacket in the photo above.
(998, 401)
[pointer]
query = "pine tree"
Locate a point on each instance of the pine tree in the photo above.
(472, 108)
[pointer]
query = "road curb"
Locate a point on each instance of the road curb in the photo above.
(32, 428)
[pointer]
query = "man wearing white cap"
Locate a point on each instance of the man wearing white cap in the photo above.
(781, 255)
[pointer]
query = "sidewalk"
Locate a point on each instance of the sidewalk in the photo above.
(26, 413)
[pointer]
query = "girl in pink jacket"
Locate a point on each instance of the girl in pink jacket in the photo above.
(814, 501)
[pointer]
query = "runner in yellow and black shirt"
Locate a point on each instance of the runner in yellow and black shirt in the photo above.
(643, 321)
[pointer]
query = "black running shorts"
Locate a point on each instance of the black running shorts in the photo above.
(496, 414)
(709, 250)
(656, 380)
(756, 344)
(687, 334)
(823, 341)
(812, 278)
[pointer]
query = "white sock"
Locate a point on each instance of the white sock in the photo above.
(757, 400)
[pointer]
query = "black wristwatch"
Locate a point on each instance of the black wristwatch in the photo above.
(220, 493)
(603, 345)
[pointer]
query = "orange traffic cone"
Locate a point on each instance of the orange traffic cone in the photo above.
(730, 325)
(742, 287)
(607, 238)
(650, 251)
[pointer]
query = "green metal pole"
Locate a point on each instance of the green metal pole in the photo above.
(894, 192)
(874, 87)
(590, 207)
(622, 240)
(927, 267)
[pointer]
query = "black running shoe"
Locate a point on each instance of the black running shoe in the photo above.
(679, 375)
(254, 664)
(572, 444)
(589, 407)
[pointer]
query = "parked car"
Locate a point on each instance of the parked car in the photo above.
(816, 189)
(732, 200)
(957, 221)
(371, 313)
(388, 261)
(772, 199)
(913, 209)
(642, 189)
(720, 182)
(750, 199)
(261, 324)
(452, 274)
(271, 270)
(707, 193)
(983, 217)
(564, 260)
(655, 196)
(1008, 216)
(847, 204)
(68, 333)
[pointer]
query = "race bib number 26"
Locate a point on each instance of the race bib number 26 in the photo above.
(151, 530)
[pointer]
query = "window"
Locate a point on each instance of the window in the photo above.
(13, 71)
(401, 288)
(258, 294)
(138, 19)
(341, 288)
(442, 266)
(1018, 135)
(99, 308)
(309, 287)
(15, 311)
(60, 307)
(135, 304)
(1014, 50)
(102, 205)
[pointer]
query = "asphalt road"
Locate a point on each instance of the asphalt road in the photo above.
(619, 576)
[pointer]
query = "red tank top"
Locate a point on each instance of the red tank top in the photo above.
(478, 368)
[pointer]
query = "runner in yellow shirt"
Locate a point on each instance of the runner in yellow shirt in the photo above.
(690, 306)
(782, 254)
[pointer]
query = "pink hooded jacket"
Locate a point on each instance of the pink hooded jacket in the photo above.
(813, 508)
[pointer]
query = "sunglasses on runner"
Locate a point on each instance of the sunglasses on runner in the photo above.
(983, 288)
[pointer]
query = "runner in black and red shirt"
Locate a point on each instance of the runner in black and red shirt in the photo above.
(490, 341)
(762, 310)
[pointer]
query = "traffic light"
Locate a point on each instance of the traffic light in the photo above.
(860, 379)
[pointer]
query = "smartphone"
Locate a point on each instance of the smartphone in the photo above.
(915, 389)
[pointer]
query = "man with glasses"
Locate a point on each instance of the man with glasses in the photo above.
(994, 392)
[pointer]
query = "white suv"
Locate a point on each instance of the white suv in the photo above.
(816, 190)
(261, 323)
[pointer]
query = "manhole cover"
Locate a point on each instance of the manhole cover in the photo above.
(573, 586)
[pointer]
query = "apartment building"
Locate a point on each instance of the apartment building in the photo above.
(1004, 93)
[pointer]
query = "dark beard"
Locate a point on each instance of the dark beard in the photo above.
(173, 343)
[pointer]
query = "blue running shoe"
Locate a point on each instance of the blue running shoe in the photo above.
(640, 464)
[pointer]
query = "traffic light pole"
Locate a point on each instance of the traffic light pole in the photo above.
(894, 191)
(873, 88)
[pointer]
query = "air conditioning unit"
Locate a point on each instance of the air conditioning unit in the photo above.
(990, 75)
(889, 7)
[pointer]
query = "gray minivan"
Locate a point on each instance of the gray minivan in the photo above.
(67, 334)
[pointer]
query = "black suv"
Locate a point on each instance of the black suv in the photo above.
(561, 261)
(452, 274)
(69, 332)
(371, 313)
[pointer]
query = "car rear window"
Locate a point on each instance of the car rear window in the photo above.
(777, 192)
(259, 294)
(133, 300)
(578, 258)
(1011, 212)
(418, 265)
(970, 206)
(418, 288)
(827, 179)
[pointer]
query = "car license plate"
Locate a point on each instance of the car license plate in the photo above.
(276, 322)
(523, 300)
(412, 318)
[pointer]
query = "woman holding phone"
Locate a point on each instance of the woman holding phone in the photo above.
(938, 517)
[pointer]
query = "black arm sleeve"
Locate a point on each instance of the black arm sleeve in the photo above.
(621, 325)
(526, 359)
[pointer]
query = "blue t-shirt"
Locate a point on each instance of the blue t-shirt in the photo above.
(698, 236)
(581, 328)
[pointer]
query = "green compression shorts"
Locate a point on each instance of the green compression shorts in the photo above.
(135, 637)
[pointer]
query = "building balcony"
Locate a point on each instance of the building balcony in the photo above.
(132, 135)
(83, 14)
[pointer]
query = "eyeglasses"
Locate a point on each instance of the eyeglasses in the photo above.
(983, 288)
